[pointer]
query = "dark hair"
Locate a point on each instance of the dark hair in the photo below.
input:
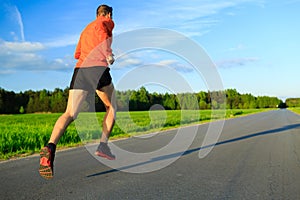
(103, 10)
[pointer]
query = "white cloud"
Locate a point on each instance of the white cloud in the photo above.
(127, 61)
(21, 46)
(15, 19)
(136, 59)
(20, 22)
(175, 64)
(6, 72)
(31, 62)
(63, 41)
(239, 47)
(193, 17)
(15, 56)
(237, 62)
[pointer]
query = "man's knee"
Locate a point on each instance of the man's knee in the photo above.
(111, 110)
(71, 115)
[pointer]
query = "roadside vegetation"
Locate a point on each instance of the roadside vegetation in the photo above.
(293, 104)
(295, 110)
(22, 135)
(27, 118)
(45, 101)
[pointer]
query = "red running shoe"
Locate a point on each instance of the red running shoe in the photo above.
(103, 150)
(46, 163)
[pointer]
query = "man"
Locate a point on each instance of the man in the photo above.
(91, 73)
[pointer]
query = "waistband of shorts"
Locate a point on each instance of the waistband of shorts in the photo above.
(83, 67)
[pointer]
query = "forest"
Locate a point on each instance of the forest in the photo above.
(45, 101)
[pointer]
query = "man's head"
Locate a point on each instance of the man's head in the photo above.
(104, 10)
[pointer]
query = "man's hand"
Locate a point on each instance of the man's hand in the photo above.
(110, 59)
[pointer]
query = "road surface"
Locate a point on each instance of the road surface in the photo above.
(256, 157)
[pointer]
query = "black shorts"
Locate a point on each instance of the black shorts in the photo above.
(90, 78)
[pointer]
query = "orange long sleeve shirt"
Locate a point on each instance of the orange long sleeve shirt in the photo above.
(94, 45)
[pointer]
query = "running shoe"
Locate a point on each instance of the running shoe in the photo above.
(46, 163)
(103, 150)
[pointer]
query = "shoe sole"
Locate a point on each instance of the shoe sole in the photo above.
(45, 170)
(97, 153)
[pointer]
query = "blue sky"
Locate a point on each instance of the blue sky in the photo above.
(253, 43)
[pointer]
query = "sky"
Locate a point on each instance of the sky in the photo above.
(253, 44)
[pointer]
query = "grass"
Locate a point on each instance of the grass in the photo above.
(22, 135)
(295, 110)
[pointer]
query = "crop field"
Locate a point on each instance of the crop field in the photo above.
(22, 135)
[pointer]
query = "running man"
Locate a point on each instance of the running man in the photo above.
(91, 74)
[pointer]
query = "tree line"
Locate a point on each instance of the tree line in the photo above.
(293, 102)
(137, 100)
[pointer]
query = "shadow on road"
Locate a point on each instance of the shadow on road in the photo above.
(164, 157)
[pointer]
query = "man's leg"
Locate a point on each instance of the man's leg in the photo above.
(76, 97)
(106, 94)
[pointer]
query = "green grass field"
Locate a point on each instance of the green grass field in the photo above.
(296, 110)
(22, 135)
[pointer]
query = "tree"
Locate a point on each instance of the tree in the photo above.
(58, 101)
(248, 101)
(233, 98)
(122, 99)
(31, 105)
(292, 102)
(203, 105)
(22, 110)
(143, 102)
(133, 101)
(139, 100)
(218, 99)
(188, 101)
(169, 102)
(43, 101)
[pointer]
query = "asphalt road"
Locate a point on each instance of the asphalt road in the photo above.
(256, 157)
